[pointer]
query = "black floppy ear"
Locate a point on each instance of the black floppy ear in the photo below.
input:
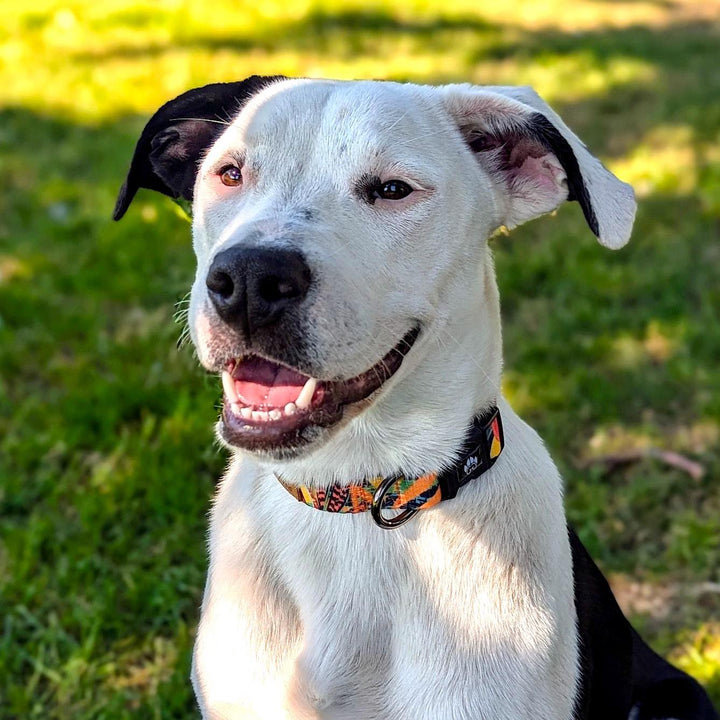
(169, 149)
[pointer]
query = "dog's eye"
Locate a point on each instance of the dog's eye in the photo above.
(230, 175)
(391, 190)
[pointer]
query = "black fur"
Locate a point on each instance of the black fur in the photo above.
(619, 671)
(171, 145)
(547, 134)
(544, 134)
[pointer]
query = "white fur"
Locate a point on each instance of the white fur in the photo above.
(467, 610)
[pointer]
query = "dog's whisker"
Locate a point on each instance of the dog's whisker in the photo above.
(397, 122)
(184, 337)
(493, 383)
(181, 316)
(424, 136)
(208, 120)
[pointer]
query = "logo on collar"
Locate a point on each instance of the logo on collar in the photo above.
(470, 464)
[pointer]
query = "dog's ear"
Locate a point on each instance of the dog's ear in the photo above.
(539, 161)
(170, 147)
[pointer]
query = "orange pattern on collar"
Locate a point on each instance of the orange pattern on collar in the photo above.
(482, 447)
(405, 493)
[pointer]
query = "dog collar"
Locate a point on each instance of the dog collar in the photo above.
(482, 447)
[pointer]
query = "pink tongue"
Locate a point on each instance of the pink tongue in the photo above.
(262, 383)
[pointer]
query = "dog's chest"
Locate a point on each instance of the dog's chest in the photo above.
(345, 584)
(337, 618)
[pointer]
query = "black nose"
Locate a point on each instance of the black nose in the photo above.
(252, 287)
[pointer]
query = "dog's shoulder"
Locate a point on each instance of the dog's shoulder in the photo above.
(620, 676)
(605, 641)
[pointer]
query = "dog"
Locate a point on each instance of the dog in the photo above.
(346, 294)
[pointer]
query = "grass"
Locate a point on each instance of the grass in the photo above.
(107, 462)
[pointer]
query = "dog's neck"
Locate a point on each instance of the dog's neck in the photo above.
(411, 428)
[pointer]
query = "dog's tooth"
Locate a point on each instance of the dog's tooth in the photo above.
(246, 412)
(235, 408)
(275, 414)
(305, 396)
(259, 415)
(229, 387)
(290, 409)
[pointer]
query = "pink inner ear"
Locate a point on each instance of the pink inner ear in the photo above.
(544, 171)
(531, 164)
(535, 180)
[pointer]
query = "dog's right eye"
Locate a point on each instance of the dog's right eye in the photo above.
(391, 190)
(230, 175)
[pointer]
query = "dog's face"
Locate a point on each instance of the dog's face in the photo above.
(340, 192)
(338, 227)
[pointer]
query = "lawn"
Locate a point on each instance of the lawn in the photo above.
(107, 460)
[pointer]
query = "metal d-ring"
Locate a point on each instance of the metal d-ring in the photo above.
(376, 507)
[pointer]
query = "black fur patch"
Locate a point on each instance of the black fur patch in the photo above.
(540, 132)
(546, 133)
(618, 671)
(173, 142)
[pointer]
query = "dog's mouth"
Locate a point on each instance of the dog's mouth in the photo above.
(269, 406)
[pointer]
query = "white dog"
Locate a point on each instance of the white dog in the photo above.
(346, 292)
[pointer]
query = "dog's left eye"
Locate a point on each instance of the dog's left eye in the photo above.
(391, 190)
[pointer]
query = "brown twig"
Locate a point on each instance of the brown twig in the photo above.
(694, 469)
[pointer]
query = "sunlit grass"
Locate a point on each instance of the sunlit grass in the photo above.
(95, 61)
(700, 655)
(107, 458)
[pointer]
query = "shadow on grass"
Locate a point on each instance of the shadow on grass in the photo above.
(684, 56)
(344, 33)
(106, 451)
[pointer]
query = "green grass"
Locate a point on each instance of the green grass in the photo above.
(107, 461)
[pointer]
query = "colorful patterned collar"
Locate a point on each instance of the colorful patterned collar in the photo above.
(482, 447)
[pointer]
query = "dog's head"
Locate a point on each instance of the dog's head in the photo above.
(339, 226)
